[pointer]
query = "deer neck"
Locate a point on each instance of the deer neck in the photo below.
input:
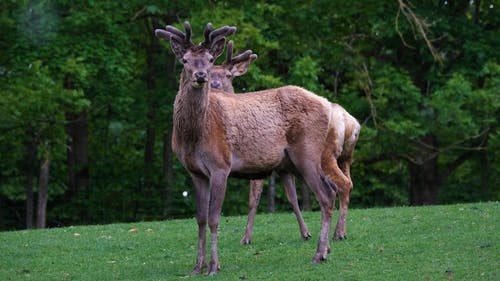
(190, 110)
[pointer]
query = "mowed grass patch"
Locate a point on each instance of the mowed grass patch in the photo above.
(454, 242)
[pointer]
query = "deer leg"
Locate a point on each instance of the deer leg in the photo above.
(253, 202)
(323, 190)
(344, 185)
(325, 195)
(217, 191)
(291, 194)
(344, 196)
(202, 201)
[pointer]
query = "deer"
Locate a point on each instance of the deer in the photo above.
(221, 77)
(216, 135)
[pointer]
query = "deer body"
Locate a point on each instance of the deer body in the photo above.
(254, 130)
(221, 77)
(288, 129)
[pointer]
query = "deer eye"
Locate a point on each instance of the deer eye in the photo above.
(228, 76)
(212, 60)
(184, 61)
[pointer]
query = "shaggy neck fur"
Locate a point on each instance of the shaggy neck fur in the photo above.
(190, 110)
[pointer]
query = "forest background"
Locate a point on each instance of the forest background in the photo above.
(86, 96)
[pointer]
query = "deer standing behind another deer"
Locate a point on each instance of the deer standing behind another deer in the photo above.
(217, 135)
(221, 77)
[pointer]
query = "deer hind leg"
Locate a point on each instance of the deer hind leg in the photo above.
(325, 194)
(253, 202)
(324, 190)
(218, 182)
(344, 197)
(291, 194)
(344, 185)
(345, 161)
(202, 202)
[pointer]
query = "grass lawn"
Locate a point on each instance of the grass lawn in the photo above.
(454, 242)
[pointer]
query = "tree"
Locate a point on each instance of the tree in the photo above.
(97, 100)
(33, 107)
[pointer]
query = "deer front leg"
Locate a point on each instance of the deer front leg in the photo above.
(291, 194)
(202, 200)
(217, 191)
(253, 202)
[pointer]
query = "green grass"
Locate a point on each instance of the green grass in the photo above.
(455, 242)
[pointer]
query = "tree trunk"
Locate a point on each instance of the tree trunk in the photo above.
(77, 153)
(424, 183)
(168, 172)
(272, 193)
(30, 175)
(477, 11)
(77, 157)
(149, 147)
(151, 51)
(30, 202)
(43, 193)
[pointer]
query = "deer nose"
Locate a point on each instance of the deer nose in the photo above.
(200, 76)
(215, 84)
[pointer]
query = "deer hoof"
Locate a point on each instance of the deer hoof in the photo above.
(339, 237)
(306, 235)
(198, 268)
(318, 258)
(245, 240)
(213, 269)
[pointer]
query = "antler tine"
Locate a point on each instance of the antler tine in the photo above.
(177, 35)
(243, 56)
(187, 27)
(175, 31)
(208, 30)
(229, 52)
(221, 32)
(246, 55)
(215, 35)
(163, 34)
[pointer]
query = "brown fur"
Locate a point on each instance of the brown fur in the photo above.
(221, 78)
(288, 130)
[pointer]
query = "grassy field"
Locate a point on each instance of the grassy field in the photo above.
(455, 242)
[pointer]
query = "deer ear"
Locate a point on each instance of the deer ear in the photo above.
(178, 48)
(218, 47)
(241, 68)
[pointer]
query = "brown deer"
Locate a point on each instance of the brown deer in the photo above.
(221, 77)
(217, 135)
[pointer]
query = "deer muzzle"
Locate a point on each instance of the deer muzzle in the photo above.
(215, 84)
(200, 77)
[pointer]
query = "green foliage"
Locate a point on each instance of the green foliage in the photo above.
(33, 105)
(305, 72)
(99, 58)
(456, 242)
